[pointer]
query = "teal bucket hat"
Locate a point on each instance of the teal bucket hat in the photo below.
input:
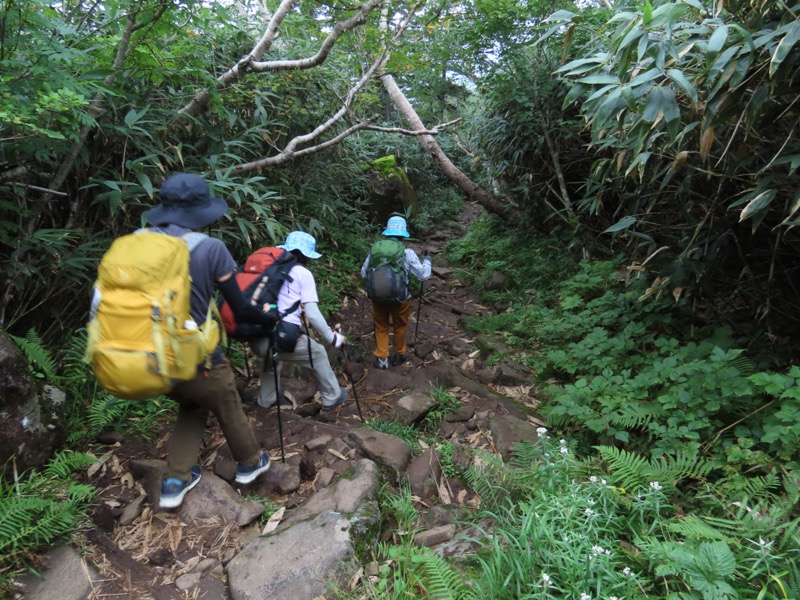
(396, 227)
(302, 241)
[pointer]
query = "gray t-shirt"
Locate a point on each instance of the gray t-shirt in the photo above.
(210, 260)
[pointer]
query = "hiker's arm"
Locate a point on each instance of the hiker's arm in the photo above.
(419, 269)
(242, 311)
(317, 321)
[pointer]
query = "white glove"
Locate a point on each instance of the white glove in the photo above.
(338, 339)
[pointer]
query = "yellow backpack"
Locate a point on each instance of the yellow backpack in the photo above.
(141, 337)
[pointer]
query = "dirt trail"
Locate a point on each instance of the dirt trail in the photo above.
(142, 558)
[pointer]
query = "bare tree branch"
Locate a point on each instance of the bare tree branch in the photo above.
(435, 131)
(252, 62)
(291, 150)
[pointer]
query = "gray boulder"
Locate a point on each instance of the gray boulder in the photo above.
(31, 429)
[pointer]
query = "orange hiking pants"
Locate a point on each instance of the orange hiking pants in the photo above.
(381, 315)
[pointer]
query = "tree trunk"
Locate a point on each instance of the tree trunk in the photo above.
(471, 189)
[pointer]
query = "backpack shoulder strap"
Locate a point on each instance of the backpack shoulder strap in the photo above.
(193, 239)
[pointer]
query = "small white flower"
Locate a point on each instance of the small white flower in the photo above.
(563, 450)
(655, 485)
(589, 512)
(593, 479)
(585, 596)
(613, 598)
(562, 442)
(546, 579)
(763, 544)
(541, 431)
(590, 502)
(602, 482)
(597, 550)
(627, 572)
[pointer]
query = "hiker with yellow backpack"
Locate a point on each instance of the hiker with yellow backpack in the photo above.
(152, 329)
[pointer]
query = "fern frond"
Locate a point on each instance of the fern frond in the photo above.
(66, 463)
(35, 353)
(634, 415)
(439, 579)
(744, 365)
(694, 527)
(633, 471)
(630, 471)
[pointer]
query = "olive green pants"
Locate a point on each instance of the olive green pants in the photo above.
(212, 392)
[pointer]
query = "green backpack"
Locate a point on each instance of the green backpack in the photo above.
(387, 278)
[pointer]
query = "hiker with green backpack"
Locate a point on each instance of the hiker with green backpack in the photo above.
(386, 273)
(151, 330)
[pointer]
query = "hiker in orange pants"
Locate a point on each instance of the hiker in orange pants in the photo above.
(386, 271)
(381, 316)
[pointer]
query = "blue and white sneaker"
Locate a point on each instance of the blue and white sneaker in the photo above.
(173, 490)
(248, 474)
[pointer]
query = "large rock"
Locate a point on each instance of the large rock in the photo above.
(387, 450)
(507, 431)
(412, 408)
(66, 576)
(31, 428)
(315, 545)
(298, 562)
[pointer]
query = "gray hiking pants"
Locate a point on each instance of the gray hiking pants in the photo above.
(326, 380)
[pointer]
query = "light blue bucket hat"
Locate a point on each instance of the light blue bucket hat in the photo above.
(396, 227)
(302, 241)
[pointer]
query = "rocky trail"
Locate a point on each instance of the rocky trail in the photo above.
(219, 544)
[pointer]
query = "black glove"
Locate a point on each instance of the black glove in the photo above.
(242, 311)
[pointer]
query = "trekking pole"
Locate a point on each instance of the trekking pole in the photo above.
(350, 377)
(274, 357)
(419, 309)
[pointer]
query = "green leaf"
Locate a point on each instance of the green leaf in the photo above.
(623, 223)
(668, 14)
(145, 182)
(679, 78)
(717, 41)
(599, 80)
(757, 204)
(784, 48)
(645, 77)
(672, 112)
(654, 106)
(560, 16)
(793, 160)
(575, 92)
(647, 13)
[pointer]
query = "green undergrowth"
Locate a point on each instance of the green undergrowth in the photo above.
(618, 364)
(613, 526)
(39, 509)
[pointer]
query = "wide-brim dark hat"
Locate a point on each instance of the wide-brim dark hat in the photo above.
(186, 201)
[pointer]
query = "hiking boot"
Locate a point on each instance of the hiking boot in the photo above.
(381, 363)
(173, 489)
(398, 359)
(248, 474)
(340, 400)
